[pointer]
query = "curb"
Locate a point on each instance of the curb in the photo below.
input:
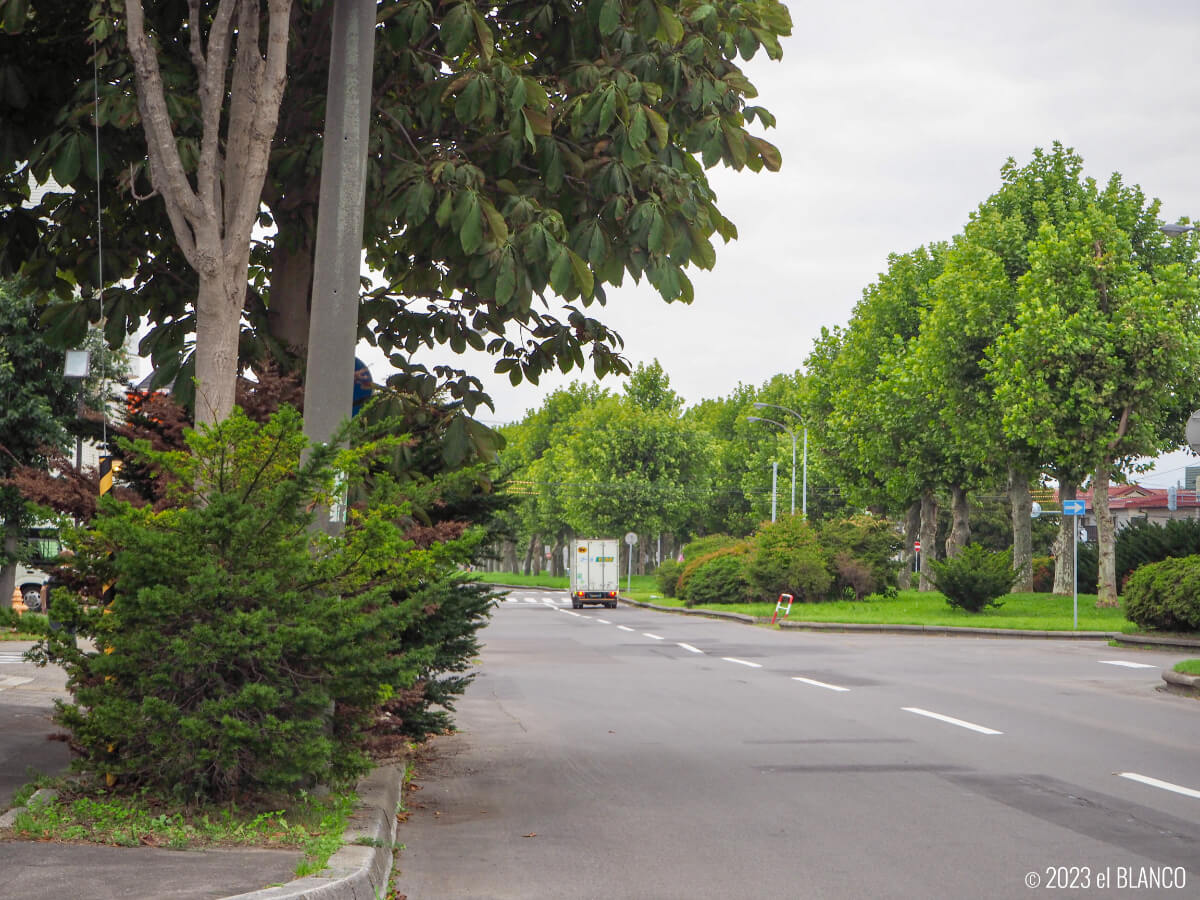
(1179, 683)
(360, 869)
(38, 798)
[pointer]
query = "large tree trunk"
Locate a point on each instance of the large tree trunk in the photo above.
(1064, 544)
(929, 517)
(508, 557)
(1106, 536)
(213, 210)
(1020, 500)
(960, 527)
(530, 554)
(912, 532)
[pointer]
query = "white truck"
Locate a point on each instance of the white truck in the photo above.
(595, 571)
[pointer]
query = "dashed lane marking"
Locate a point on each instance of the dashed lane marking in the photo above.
(13, 681)
(961, 723)
(653, 636)
(1127, 664)
(689, 647)
(742, 662)
(820, 684)
(626, 628)
(1165, 785)
(604, 621)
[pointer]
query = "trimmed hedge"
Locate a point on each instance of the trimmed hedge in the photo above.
(1165, 595)
(720, 579)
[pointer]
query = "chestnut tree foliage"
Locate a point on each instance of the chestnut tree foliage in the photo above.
(522, 157)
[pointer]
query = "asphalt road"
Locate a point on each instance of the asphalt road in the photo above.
(632, 754)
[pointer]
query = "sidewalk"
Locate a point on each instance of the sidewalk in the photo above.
(43, 870)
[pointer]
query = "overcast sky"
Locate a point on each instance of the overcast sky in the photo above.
(894, 119)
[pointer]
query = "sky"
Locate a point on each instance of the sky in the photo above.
(894, 120)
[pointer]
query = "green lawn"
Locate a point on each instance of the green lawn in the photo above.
(1034, 612)
(1188, 667)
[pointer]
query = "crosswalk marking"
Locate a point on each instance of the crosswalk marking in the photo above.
(13, 681)
(11, 657)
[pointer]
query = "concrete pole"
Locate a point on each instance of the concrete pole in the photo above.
(333, 322)
(774, 481)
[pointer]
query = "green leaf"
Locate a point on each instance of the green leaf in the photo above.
(770, 154)
(66, 164)
(487, 44)
(638, 127)
(583, 275)
(445, 210)
(495, 221)
(457, 29)
(471, 232)
(658, 124)
(608, 109)
(610, 16)
(506, 279)
(670, 29)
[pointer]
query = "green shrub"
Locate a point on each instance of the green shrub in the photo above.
(787, 559)
(243, 653)
(1165, 595)
(1043, 574)
(862, 552)
(691, 564)
(667, 577)
(702, 546)
(721, 578)
(975, 579)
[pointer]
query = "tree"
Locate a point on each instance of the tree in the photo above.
(516, 152)
(1099, 366)
(36, 403)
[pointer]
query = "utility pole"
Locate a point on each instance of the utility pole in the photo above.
(333, 322)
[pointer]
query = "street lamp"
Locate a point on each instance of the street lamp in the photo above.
(792, 434)
(1174, 230)
(804, 494)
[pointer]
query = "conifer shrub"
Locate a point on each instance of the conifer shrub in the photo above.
(244, 653)
(787, 559)
(1165, 595)
(975, 579)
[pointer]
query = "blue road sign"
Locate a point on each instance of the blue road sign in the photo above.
(1074, 507)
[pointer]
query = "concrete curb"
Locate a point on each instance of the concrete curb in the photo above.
(1157, 640)
(1179, 683)
(361, 868)
(38, 798)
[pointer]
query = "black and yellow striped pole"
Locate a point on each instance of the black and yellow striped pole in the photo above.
(108, 468)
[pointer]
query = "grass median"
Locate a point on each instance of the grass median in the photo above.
(1026, 612)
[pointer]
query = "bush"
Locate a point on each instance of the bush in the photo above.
(1043, 574)
(975, 579)
(244, 654)
(693, 563)
(1165, 595)
(721, 578)
(702, 546)
(667, 577)
(862, 551)
(787, 559)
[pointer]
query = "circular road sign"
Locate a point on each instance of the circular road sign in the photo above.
(917, 546)
(631, 539)
(1192, 431)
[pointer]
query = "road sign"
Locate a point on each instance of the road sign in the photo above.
(1074, 507)
(631, 538)
(916, 546)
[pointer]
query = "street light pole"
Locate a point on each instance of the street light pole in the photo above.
(791, 434)
(804, 494)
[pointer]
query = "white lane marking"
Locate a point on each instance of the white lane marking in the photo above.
(582, 616)
(689, 647)
(530, 600)
(575, 614)
(13, 681)
(626, 628)
(1165, 785)
(820, 684)
(1127, 664)
(742, 662)
(604, 621)
(951, 720)
(654, 636)
(12, 657)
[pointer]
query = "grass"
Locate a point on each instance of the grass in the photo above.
(310, 824)
(1188, 667)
